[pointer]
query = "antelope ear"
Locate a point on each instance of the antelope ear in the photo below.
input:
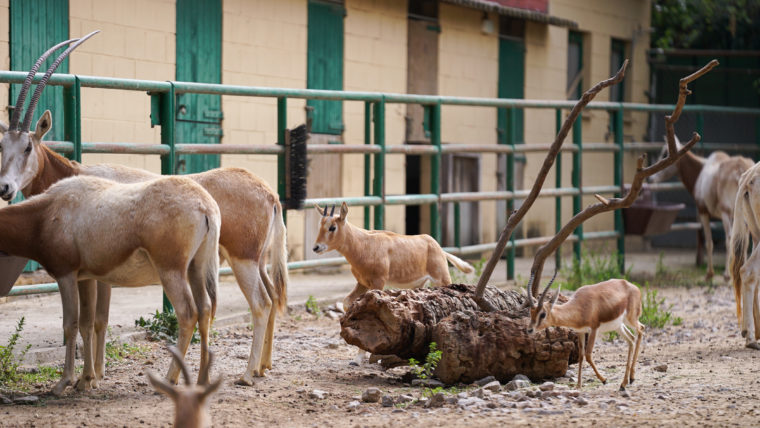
(43, 125)
(343, 211)
(3, 127)
(319, 210)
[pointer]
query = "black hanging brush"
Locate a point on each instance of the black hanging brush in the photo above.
(295, 167)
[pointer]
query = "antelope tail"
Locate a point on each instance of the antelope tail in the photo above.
(459, 263)
(739, 245)
(279, 250)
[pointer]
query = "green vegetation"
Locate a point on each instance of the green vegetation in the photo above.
(432, 359)
(654, 313)
(117, 352)
(164, 326)
(9, 363)
(591, 269)
(459, 277)
(313, 307)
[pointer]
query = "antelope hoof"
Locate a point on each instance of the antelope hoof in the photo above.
(630, 380)
(60, 387)
(604, 381)
(622, 388)
(246, 380)
(85, 384)
(744, 334)
(753, 345)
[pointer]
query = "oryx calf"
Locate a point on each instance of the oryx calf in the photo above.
(379, 258)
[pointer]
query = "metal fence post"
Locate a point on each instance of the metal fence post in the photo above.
(73, 118)
(167, 160)
(700, 125)
(618, 182)
(558, 184)
(282, 124)
(379, 171)
(435, 171)
(578, 182)
(510, 136)
(367, 160)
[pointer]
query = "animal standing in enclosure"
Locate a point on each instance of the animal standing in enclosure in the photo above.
(191, 401)
(613, 305)
(379, 258)
(164, 230)
(252, 222)
(712, 182)
(745, 272)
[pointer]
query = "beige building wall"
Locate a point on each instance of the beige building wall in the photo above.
(5, 53)
(375, 60)
(546, 78)
(469, 67)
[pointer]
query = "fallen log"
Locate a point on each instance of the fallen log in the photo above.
(404, 322)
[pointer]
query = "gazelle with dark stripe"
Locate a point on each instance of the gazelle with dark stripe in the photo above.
(612, 305)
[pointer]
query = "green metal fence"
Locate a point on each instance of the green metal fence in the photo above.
(162, 97)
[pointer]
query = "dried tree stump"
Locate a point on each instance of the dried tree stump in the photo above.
(404, 322)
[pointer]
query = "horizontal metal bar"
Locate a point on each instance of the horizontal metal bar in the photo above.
(423, 199)
(342, 148)
(230, 149)
(563, 191)
(662, 187)
(359, 201)
(411, 149)
(600, 147)
(211, 88)
(591, 190)
(642, 146)
(60, 146)
(476, 148)
(476, 196)
(129, 148)
(525, 148)
(695, 226)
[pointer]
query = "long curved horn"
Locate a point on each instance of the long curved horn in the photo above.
(28, 83)
(324, 211)
(530, 284)
(546, 290)
(40, 86)
(332, 211)
(181, 361)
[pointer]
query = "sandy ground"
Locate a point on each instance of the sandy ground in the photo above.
(711, 379)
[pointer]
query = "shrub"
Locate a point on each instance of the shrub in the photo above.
(164, 326)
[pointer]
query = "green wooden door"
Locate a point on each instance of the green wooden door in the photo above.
(199, 59)
(512, 82)
(35, 25)
(325, 64)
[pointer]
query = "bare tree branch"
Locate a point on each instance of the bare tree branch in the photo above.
(641, 174)
(516, 216)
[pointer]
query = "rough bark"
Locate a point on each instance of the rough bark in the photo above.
(404, 322)
(476, 345)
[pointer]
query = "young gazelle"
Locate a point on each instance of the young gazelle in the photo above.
(252, 222)
(190, 401)
(165, 230)
(611, 305)
(379, 258)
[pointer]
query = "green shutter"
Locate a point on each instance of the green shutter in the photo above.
(575, 42)
(199, 59)
(512, 81)
(35, 25)
(325, 64)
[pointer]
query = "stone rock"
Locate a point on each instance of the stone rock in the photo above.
(333, 315)
(437, 400)
(387, 401)
(372, 395)
(5, 400)
(546, 386)
(353, 405)
(533, 393)
(521, 377)
(479, 393)
(430, 383)
(29, 399)
(318, 394)
(581, 401)
(469, 402)
(486, 380)
(452, 400)
(661, 368)
(333, 345)
(624, 393)
(516, 384)
(493, 386)
(404, 398)
(462, 395)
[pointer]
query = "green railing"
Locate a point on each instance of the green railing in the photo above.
(162, 97)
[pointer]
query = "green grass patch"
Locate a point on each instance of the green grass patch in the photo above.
(313, 307)
(116, 352)
(654, 312)
(592, 268)
(459, 277)
(164, 326)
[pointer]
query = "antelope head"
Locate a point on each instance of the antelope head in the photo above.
(541, 313)
(20, 160)
(671, 170)
(190, 401)
(330, 228)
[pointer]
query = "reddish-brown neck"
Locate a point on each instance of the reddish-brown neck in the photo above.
(52, 168)
(21, 229)
(689, 167)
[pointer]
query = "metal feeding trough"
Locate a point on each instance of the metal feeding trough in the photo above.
(647, 217)
(10, 269)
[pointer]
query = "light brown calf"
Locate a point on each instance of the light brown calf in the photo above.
(131, 235)
(191, 401)
(379, 258)
(611, 305)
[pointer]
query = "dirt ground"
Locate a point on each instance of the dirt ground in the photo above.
(711, 379)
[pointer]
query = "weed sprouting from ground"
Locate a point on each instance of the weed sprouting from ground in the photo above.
(10, 373)
(654, 312)
(458, 277)
(164, 326)
(432, 359)
(312, 306)
(116, 352)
